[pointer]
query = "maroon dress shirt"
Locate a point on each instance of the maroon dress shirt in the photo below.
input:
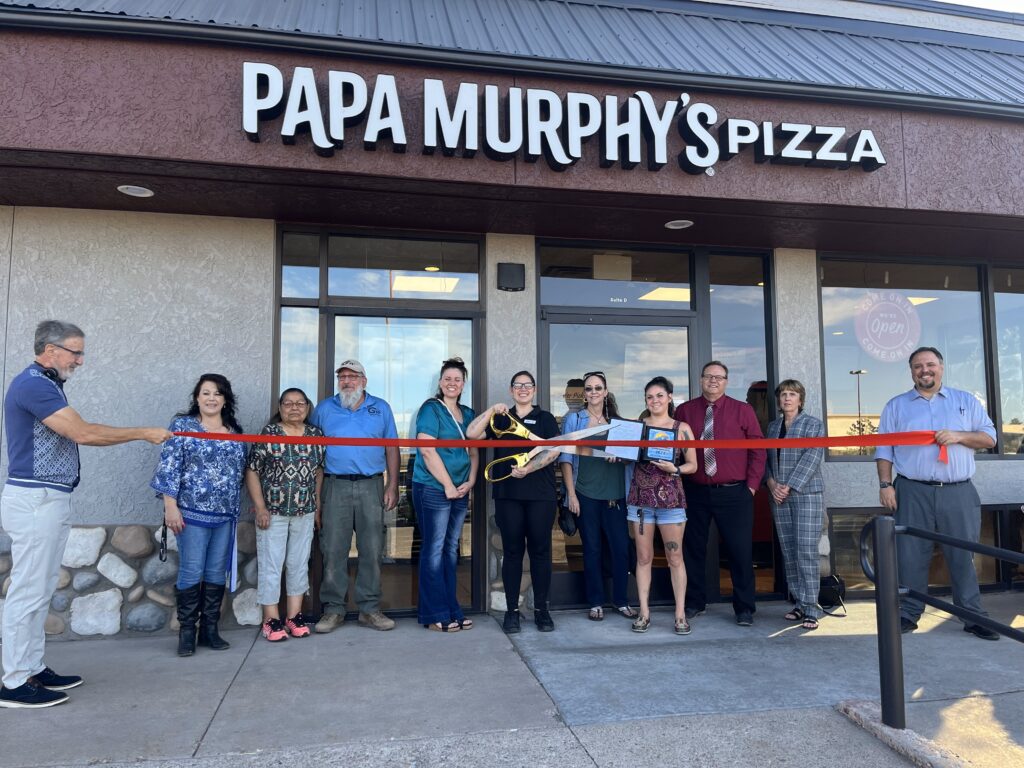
(734, 420)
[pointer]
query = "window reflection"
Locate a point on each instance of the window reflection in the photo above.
(374, 267)
(874, 315)
(300, 266)
(614, 278)
(300, 332)
(1009, 303)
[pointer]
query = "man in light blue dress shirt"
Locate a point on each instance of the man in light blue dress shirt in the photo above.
(930, 494)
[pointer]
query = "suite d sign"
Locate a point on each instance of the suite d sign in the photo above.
(536, 122)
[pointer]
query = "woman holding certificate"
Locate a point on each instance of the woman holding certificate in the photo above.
(595, 491)
(656, 499)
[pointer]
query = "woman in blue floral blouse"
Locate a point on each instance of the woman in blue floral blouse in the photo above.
(201, 481)
(284, 482)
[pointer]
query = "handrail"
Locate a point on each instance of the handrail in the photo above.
(884, 575)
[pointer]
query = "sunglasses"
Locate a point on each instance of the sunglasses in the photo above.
(597, 388)
(593, 373)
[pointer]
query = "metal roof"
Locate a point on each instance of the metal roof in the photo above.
(660, 41)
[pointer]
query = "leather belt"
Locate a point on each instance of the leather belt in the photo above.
(723, 485)
(351, 478)
(936, 483)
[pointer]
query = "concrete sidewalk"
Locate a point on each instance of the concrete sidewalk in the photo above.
(588, 694)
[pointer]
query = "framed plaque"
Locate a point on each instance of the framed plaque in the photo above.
(653, 453)
(625, 429)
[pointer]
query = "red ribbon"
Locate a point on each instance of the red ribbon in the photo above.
(857, 441)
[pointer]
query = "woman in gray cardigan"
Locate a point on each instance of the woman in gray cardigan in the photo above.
(797, 491)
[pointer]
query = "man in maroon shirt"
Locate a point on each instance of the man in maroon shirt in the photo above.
(722, 489)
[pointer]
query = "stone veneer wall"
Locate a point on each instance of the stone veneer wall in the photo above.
(112, 580)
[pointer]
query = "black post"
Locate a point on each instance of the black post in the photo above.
(887, 612)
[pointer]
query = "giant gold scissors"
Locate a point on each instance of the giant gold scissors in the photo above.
(518, 460)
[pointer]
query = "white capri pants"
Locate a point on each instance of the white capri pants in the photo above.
(285, 544)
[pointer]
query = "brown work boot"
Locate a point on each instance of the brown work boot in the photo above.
(376, 620)
(329, 622)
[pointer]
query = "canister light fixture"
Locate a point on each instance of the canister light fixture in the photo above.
(678, 224)
(133, 190)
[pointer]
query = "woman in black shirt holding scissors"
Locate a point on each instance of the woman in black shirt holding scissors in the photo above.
(525, 503)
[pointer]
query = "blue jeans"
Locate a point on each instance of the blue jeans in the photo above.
(600, 519)
(203, 554)
(440, 520)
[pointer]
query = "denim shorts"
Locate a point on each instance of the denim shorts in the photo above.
(658, 516)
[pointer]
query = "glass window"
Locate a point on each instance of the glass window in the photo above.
(390, 268)
(875, 314)
(610, 277)
(738, 329)
(300, 341)
(1008, 285)
(300, 266)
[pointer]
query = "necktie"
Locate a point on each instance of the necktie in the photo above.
(710, 463)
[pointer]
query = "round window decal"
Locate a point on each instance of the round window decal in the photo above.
(887, 326)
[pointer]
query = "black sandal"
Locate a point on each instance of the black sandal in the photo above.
(464, 623)
(440, 626)
(797, 614)
(810, 623)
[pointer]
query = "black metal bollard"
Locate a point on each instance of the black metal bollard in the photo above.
(887, 612)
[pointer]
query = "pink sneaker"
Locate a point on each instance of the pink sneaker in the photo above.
(296, 626)
(273, 630)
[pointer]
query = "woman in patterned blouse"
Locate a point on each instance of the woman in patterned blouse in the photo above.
(200, 481)
(284, 483)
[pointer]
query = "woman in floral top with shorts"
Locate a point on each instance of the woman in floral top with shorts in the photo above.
(284, 482)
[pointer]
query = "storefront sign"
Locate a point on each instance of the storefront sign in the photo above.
(535, 122)
(887, 326)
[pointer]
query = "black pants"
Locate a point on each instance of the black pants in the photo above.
(732, 509)
(525, 527)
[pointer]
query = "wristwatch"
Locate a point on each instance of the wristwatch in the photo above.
(885, 484)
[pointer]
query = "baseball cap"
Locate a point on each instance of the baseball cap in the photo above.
(352, 365)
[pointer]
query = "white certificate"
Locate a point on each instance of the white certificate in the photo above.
(625, 429)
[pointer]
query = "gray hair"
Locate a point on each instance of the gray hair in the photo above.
(55, 332)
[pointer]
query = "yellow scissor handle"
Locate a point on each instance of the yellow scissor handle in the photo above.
(513, 428)
(516, 460)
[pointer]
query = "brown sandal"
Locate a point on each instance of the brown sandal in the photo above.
(437, 626)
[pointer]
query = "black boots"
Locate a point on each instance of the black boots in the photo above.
(188, 615)
(212, 597)
(510, 626)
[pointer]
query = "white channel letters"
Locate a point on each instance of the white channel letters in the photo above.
(534, 123)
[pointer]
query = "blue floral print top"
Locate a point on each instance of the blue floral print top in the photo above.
(205, 476)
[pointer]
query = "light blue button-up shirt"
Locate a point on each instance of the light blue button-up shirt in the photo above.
(373, 418)
(947, 409)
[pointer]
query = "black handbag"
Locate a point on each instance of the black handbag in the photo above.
(831, 594)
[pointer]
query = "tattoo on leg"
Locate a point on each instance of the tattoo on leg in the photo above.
(672, 546)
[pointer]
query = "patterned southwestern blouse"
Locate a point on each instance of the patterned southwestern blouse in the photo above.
(288, 472)
(205, 476)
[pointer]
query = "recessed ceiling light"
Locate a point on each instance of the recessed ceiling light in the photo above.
(432, 268)
(133, 190)
(678, 224)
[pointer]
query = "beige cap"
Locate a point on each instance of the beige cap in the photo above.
(352, 365)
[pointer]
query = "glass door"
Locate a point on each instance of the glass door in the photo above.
(402, 357)
(630, 351)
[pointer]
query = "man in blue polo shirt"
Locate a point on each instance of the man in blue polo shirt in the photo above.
(43, 435)
(928, 493)
(355, 497)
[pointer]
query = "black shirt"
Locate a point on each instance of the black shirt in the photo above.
(536, 486)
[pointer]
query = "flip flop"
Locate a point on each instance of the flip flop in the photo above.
(464, 623)
(437, 626)
(596, 613)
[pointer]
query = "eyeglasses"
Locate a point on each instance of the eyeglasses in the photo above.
(523, 385)
(296, 404)
(597, 388)
(712, 377)
(78, 353)
(349, 377)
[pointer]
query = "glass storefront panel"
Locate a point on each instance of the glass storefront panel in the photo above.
(874, 315)
(300, 266)
(300, 345)
(402, 357)
(388, 268)
(1008, 285)
(629, 356)
(614, 278)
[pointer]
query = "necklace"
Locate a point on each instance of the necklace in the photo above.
(596, 417)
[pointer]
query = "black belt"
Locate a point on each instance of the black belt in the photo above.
(723, 485)
(352, 478)
(936, 483)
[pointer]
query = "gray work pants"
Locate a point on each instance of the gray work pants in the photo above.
(352, 506)
(954, 510)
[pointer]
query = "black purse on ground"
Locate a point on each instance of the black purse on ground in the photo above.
(831, 594)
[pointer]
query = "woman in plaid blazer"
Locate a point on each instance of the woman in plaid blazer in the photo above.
(797, 491)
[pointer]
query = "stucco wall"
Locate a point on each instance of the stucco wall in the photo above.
(161, 299)
(6, 229)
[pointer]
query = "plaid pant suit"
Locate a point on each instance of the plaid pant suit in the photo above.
(798, 520)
